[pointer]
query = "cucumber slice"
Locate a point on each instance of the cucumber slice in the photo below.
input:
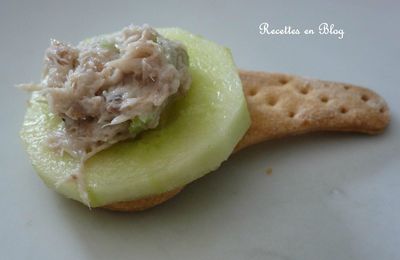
(198, 133)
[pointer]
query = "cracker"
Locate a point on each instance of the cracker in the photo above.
(144, 203)
(283, 105)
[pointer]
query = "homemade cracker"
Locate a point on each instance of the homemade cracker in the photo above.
(283, 105)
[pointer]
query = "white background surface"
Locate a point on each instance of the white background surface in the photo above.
(331, 196)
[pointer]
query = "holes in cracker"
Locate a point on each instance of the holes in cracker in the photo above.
(291, 114)
(324, 99)
(271, 100)
(305, 90)
(252, 92)
(283, 81)
(343, 110)
(346, 87)
(364, 98)
(382, 110)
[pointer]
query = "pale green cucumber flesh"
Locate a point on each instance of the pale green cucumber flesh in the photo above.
(199, 133)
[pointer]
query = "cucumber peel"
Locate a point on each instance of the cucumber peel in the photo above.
(197, 133)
